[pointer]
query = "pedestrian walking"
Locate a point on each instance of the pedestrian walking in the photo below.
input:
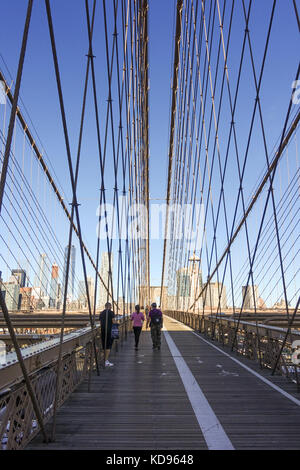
(156, 323)
(106, 320)
(137, 319)
(147, 310)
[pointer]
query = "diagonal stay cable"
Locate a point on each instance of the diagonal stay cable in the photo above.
(74, 209)
(10, 327)
(40, 159)
(278, 154)
(283, 143)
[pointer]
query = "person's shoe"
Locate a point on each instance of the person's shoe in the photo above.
(158, 347)
(108, 364)
(136, 348)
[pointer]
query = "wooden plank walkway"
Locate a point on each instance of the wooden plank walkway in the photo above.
(142, 403)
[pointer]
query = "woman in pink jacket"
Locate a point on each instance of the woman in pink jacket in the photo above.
(137, 318)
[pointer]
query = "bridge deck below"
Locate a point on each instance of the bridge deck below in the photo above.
(188, 395)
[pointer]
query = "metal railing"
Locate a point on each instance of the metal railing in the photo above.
(260, 343)
(18, 422)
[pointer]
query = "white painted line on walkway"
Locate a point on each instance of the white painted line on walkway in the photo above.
(212, 430)
(260, 377)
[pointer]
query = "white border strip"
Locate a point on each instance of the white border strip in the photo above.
(260, 377)
(213, 432)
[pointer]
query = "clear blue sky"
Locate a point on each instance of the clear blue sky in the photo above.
(39, 93)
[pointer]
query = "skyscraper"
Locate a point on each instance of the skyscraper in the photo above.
(183, 283)
(81, 292)
(26, 298)
(41, 279)
(71, 283)
(215, 295)
(54, 286)
(11, 293)
(82, 297)
(20, 276)
(195, 277)
(188, 286)
(104, 272)
(247, 293)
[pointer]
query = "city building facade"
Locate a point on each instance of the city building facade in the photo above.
(250, 301)
(71, 280)
(54, 286)
(104, 272)
(41, 279)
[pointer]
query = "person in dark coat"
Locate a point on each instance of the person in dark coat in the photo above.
(107, 318)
